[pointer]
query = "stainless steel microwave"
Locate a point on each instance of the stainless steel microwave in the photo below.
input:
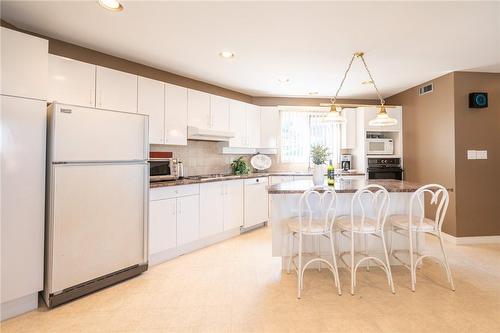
(161, 169)
(379, 147)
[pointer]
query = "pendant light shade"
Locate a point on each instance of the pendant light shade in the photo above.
(383, 119)
(334, 116)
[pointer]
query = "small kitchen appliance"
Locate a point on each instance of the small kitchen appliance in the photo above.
(382, 146)
(346, 162)
(163, 168)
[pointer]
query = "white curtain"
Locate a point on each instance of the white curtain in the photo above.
(300, 130)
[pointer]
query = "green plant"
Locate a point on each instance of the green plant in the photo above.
(239, 166)
(319, 154)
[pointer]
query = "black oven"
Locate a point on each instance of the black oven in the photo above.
(161, 169)
(385, 168)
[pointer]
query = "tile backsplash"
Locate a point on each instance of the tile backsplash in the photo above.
(205, 157)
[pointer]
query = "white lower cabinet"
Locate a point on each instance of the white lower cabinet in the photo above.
(162, 225)
(221, 207)
(188, 219)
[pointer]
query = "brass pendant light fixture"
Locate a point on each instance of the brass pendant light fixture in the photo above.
(382, 118)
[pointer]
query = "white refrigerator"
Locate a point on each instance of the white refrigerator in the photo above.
(98, 185)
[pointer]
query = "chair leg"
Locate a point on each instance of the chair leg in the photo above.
(391, 241)
(319, 252)
(446, 265)
(352, 263)
(335, 267)
(290, 244)
(299, 272)
(389, 273)
(412, 268)
(364, 249)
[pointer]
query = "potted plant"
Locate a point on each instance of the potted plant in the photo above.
(319, 155)
(240, 167)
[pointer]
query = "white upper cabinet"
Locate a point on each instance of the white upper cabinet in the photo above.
(269, 127)
(349, 128)
(24, 65)
(199, 109)
(71, 82)
(393, 112)
(219, 113)
(176, 114)
(116, 90)
(151, 101)
(238, 124)
(253, 126)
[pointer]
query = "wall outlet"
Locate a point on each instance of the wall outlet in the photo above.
(472, 154)
(482, 154)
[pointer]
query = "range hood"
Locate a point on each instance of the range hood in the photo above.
(196, 133)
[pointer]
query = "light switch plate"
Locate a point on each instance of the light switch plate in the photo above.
(472, 154)
(482, 154)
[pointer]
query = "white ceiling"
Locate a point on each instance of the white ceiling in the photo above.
(406, 43)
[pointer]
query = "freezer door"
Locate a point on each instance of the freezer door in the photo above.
(85, 134)
(97, 222)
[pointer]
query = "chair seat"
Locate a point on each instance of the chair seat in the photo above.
(344, 223)
(317, 226)
(401, 222)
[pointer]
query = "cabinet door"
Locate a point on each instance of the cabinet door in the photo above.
(116, 90)
(198, 109)
(253, 126)
(237, 124)
(162, 225)
(151, 101)
(71, 82)
(24, 65)
(176, 114)
(211, 208)
(219, 112)
(22, 191)
(349, 128)
(188, 219)
(233, 204)
(269, 127)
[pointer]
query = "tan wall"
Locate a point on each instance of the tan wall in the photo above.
(428, 138)
(477, 181)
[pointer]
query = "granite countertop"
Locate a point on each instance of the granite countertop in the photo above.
(221, 177)
(345, 186)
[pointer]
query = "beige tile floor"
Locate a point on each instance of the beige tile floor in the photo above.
(236, 286)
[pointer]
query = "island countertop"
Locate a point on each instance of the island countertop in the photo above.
(345, 186)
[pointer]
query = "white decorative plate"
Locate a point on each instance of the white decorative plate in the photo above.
(260, 162)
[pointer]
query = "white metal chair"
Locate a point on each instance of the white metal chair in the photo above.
(315, 219)
(351, 225)
(419, 224)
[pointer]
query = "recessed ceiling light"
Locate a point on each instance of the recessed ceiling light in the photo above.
(367, 82)
(284, 80)
(226, 54)
(313, 93)
(112, 5)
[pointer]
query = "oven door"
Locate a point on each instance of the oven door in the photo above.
(385, 173)
(162, 169)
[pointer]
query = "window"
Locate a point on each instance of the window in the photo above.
(300, 130)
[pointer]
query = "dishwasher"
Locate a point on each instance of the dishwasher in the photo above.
(256, 209)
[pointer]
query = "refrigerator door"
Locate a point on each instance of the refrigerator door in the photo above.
(97, 221)
(85, 134)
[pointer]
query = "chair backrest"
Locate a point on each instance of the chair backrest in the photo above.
(378, 200)
(317, 204)
(439, 197)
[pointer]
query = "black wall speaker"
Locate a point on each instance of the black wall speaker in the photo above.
(478, 100)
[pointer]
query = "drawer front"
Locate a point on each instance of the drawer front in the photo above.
(169, 192)
(254, 181)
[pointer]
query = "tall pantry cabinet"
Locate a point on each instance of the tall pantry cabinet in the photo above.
(23, 95)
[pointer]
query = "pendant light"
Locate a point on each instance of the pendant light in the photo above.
(334, 116)
(382, 118)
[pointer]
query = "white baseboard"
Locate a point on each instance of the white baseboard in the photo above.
(18, 306)
(471, 240)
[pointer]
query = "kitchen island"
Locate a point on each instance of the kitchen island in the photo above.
(284, 204)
